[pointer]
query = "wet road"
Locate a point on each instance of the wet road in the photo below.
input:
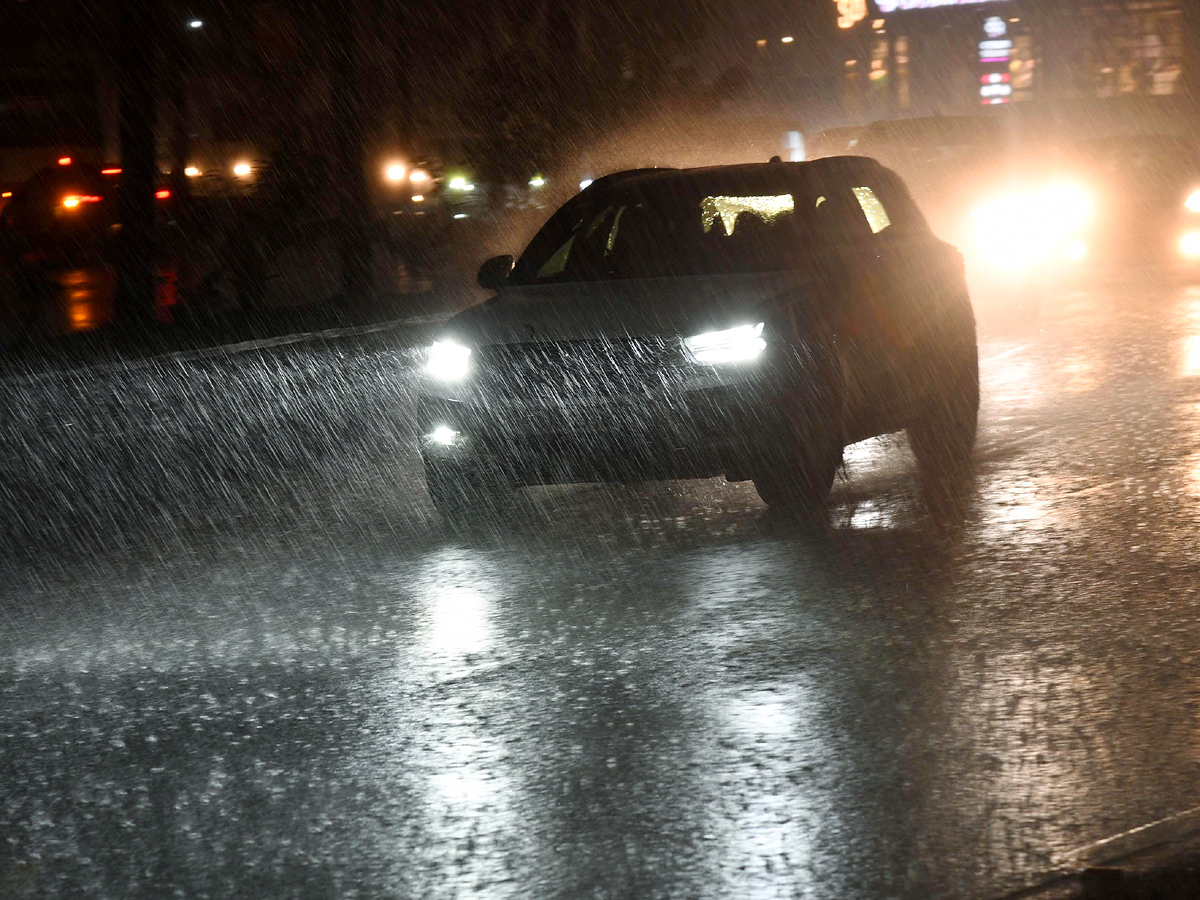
(241, 657)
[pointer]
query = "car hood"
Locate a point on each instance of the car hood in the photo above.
(651, 307)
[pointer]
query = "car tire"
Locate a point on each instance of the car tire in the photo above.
(802, 483)
(467, 495)
(797, 473)
(944, 436)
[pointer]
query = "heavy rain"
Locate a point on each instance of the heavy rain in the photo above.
(566, 449)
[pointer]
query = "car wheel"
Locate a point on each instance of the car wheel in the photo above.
(943, 437)
(467, 495)
(797, 472)
(803, 481)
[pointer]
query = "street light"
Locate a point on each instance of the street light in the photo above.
(786, 40)
(196, 23)
(394, 172)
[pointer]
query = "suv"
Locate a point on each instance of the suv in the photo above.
(747, 321)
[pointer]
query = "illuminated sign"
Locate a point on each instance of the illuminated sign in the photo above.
(995, 51)
(891, 6)
(995, 54)
(995, 27)
(851, 12)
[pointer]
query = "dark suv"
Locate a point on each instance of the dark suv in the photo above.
(746, 321)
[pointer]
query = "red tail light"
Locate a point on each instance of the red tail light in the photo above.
(64, 160)
(162, 194)
(110, 171)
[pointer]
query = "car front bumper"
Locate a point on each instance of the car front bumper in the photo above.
(696, 433)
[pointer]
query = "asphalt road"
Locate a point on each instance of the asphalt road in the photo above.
(240, 656)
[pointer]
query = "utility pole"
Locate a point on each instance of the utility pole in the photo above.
(137, 48)
(181, 36)
(354, 238)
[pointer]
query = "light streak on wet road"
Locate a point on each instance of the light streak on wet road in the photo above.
(241, 655)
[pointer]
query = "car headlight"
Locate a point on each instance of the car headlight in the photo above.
(1025, 228)
(448, 361)
(1189, 244)
(1192, 203)
(733, 345)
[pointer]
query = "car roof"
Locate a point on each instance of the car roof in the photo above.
(645, 178)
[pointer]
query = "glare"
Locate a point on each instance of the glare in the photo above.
(444, 435)
(1192, 203)
(1075, 250)
(732, 345)
(457, 183)
(394, 172)
(1189, 244)
(241, 169)
(585, 184)
(418, 176)
(1022, 229)
(537, 181)
(448, 361)
(417, 198)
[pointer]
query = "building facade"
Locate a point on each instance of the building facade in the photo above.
(923, 57)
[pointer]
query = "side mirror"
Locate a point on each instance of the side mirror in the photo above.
(494, 273)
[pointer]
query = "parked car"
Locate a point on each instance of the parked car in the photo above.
(747, 321)
(58, 247)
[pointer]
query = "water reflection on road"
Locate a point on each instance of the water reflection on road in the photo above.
(648, 690)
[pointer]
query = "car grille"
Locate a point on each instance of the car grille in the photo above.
(557, 372)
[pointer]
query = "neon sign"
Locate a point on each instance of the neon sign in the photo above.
(891, 6)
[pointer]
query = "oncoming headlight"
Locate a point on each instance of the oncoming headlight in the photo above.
(1024, 228)
(733, 345)
(448, 361)
(1192, 203)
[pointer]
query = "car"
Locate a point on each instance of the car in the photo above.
(58, 246)
(1144, 193)
(748, 321)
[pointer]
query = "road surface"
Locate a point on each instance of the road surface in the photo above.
(240, 656)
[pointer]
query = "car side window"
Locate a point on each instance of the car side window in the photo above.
(587, 247)
(838, 216)
(872, 208)
(897, 204)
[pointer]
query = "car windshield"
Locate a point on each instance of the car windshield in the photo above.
(664, 231)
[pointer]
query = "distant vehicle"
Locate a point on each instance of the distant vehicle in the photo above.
(58, 244)
(1028, 205)
(1143, 194)
(746, 321)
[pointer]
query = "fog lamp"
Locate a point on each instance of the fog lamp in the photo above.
(444, 435)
